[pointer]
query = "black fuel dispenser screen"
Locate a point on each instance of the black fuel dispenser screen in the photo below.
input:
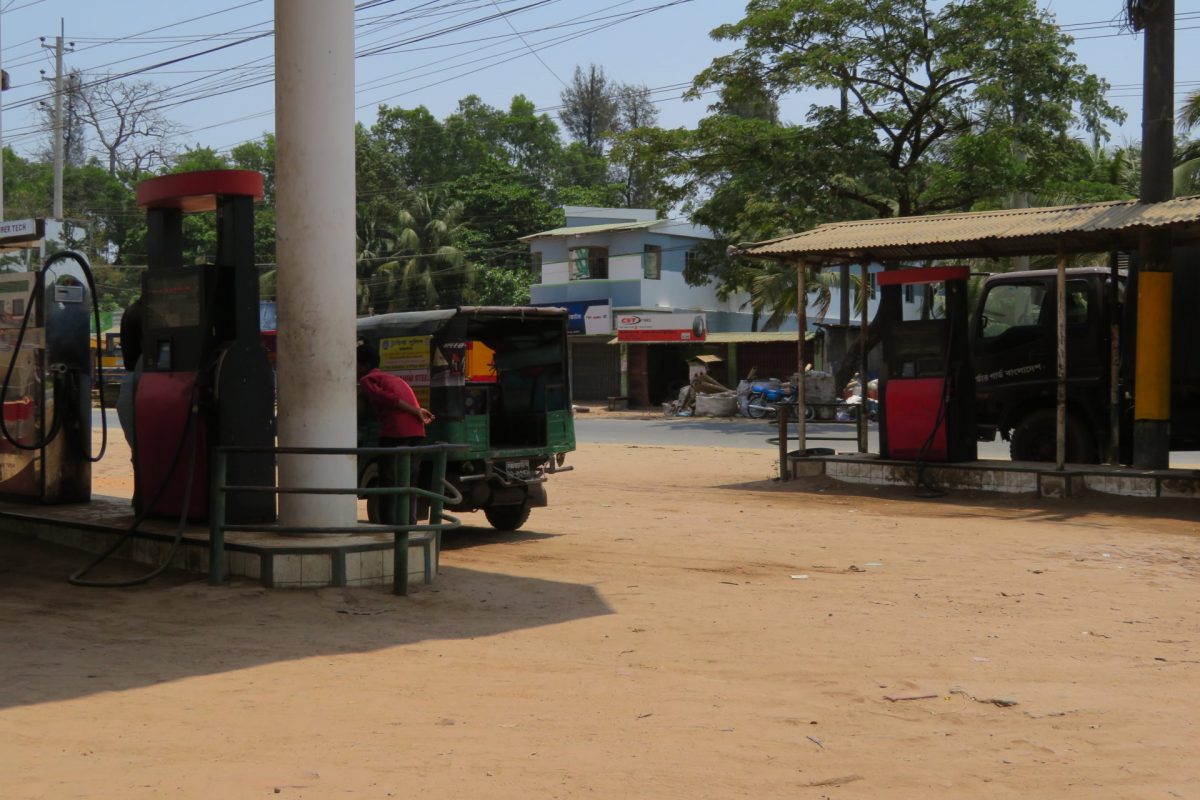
(174, 301)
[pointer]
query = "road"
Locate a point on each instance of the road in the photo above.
(736, 432)
(747, 433)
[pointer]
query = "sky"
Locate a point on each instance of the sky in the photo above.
(219, 87)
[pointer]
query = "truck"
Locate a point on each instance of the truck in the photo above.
(1014, 355)
(498, 380)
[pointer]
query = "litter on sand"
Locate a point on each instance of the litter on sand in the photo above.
(895, 698)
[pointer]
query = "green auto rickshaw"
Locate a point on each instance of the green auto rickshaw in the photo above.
(498, 380)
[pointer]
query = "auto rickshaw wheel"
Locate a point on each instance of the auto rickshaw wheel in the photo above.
(507, 518)
(370, 480)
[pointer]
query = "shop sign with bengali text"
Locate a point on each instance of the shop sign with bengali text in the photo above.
(586, 316)
(408, 357)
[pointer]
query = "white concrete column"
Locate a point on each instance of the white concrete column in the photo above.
(314, 130)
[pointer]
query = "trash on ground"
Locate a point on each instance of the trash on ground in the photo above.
(896, 698)
(1002, 702)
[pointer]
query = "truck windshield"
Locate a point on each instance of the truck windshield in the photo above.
(1011, 305)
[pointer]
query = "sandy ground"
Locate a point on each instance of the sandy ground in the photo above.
(649, 636)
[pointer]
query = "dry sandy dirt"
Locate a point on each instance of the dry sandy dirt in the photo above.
(649, 636)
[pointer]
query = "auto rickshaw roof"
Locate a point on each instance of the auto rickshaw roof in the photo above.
(422, 323)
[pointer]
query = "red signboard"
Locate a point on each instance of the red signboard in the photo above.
(658, 326)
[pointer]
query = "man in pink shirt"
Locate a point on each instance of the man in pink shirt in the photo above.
(402, 421)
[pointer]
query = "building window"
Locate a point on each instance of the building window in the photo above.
(588, 263)
(910, 292)
(873, 283)
(689, 261)
(535, 267)
(652, 262)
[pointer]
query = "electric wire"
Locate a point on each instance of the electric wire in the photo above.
(248, 81)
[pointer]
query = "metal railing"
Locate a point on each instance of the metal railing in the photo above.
(396, 515)
(783, 416)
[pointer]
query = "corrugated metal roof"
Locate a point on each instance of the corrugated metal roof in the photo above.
(1090, 227)
(582, 230)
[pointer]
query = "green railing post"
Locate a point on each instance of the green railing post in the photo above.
(402, 470)
(404, 465)
(216, 519)
(437, 502)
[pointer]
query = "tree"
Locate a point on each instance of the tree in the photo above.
(636, 174)
(749, 179)
(635, 109)
(412, 260)
(946, 105)
(590, 107)
(506, 168)
(260, 156)
(748, 99)
(74, 136)
(1187, 153)
(133, 135)
(1189, 114)
(934, 85)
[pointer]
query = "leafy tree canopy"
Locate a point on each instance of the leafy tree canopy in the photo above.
(940, 84)
(936, 106)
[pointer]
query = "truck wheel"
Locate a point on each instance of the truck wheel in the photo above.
(507, 518)
(1033, 439)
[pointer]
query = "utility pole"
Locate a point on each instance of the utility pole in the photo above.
(1020, 198)
(3, 86)
(58, 119)
(1152, 379)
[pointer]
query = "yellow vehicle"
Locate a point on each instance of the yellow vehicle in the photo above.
(111, 362)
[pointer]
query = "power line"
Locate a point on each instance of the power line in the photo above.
(531, 50)
(245, 83)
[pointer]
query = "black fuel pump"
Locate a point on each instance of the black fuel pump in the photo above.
(46, 363)
(927, 387)
(206, 379)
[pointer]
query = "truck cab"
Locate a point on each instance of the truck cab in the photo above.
(1014, 353)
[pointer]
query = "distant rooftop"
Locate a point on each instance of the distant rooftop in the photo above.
(630, 219)
(631, 214)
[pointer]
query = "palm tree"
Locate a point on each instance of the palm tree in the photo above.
(774, 290)
(373, 244)
(409, 258)
(1187, 156)
(1189, 114)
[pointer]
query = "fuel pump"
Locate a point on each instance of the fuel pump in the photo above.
(46, 363)
(206, 380)
(927, 387)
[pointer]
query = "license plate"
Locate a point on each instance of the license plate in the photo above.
(518, 469)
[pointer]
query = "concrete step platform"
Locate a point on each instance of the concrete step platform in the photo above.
(1012, 477)
(276, 561)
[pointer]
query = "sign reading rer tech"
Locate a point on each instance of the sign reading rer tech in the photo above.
(18, 231)
(661, 326)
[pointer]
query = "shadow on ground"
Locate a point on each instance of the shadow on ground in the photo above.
(59, 641)
(474, 536)
(969, 503)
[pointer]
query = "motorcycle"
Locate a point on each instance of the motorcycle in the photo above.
(765, 396)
